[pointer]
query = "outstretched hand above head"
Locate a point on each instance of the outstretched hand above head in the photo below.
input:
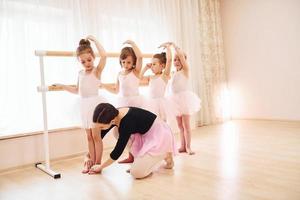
(90, 37)
(165, 45)
(130, 42)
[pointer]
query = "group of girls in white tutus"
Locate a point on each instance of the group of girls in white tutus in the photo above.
(141, 122)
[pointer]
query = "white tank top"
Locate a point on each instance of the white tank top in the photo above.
(179, 82)
(157, 87)
(88, 84)
(128, 85)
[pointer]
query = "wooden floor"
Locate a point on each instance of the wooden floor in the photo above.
(234, 161)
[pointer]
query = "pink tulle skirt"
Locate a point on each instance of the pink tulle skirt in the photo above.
(159, 140)
(188, 102)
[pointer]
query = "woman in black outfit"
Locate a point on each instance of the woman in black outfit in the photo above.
(153, 140)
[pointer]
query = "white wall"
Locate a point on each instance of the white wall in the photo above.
(21, 151)
(262, 55)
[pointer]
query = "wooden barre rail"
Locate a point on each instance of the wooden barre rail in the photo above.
(52, 88)
(73, 54)
(49, 88)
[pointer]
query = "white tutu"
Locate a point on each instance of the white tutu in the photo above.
(188, 102)
(87, 107)
(133, 101)
(164, 108)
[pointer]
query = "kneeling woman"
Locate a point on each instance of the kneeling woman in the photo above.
(153, 140)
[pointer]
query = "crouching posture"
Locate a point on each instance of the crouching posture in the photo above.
(152, 138)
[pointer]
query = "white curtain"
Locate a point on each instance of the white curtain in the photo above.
(28, 25)
(213, 81)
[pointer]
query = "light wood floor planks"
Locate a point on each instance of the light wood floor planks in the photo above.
(236, 160)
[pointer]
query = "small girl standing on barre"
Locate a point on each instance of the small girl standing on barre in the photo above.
(87, 87)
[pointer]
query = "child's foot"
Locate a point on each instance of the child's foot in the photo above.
(85, 169)
(182, 150)
(190, 152)
(130, 159)
(127, 160)
(170, 163)
(95, 169)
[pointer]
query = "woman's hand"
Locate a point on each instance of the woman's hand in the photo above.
(95, 169)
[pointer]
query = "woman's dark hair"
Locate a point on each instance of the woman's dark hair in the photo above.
(104, 113)
(84, 47)
(125, 52)
(161, 57)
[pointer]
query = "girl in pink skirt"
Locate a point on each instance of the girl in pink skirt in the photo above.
(154, 141)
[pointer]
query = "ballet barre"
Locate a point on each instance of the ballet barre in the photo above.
(51, 88)
(73, 54)
(43, 89)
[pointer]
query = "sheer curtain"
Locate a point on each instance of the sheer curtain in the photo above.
(214, 91)
(29, 25)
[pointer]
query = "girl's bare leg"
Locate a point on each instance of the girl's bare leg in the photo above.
(182, 148)
(91, 149)
(98, 145)
(187, 134)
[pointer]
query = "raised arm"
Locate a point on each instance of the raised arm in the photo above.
(182, 58)
(139, 56)
(145, 79)
(167, 70)
(101, 52)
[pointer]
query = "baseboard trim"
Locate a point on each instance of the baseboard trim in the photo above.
(52, 161)
(266, 119)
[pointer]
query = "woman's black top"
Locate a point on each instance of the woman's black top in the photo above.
(136, 120)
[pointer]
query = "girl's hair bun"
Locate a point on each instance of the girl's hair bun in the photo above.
(84, 42)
